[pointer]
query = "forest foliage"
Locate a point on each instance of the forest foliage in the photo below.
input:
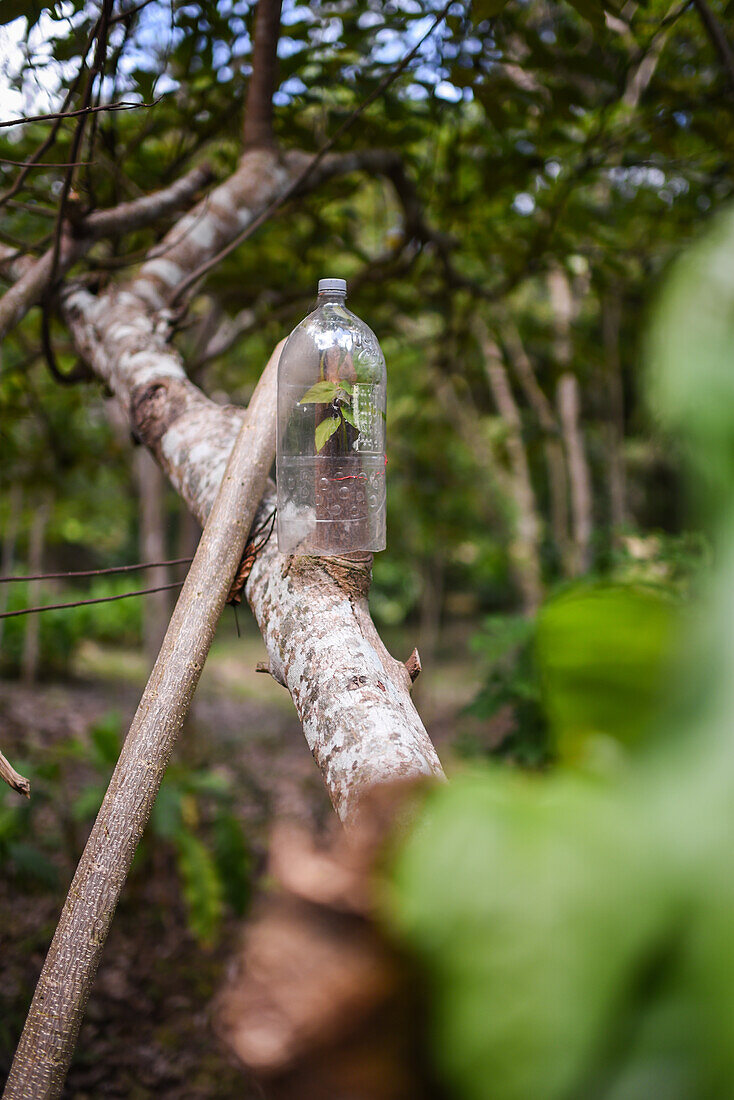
(550, 276)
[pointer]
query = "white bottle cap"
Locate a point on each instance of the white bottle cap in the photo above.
(339, 285)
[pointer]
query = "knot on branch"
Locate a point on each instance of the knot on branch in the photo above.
(154, 406)
(414, 666)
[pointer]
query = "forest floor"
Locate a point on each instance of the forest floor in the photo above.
(147, 1029)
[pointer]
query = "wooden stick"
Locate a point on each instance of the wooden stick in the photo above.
(13, 778)
(46, 1046)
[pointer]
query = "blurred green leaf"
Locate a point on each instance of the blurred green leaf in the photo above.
(234, 861)
(604, 652)
(105, 735)
(689, 352)
(29, 862)
(202, 887)
(532, 904)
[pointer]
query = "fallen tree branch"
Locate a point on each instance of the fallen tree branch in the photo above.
(14, 779)
(44, 1053)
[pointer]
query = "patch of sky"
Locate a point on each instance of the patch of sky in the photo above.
(221, 54)
(449, 92)
(416, 91)
(523, 203)
(33, 90)
(298, 13)
(369, 19)
(288, 47)
(293, 86)
(165, 84)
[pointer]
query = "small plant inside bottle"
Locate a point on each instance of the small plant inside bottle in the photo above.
(337, 418)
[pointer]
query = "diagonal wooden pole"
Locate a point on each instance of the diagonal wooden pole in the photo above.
(49, 1036)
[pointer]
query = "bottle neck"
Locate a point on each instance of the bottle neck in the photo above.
(332, 297)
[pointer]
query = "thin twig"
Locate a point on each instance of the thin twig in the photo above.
(13, 778)
(121, 105)
(96, 572)
(84, 603)
(45, 163)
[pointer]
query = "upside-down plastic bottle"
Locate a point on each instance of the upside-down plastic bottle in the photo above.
(331, 432)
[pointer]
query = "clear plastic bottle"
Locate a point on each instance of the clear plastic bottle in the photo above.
(332, 391)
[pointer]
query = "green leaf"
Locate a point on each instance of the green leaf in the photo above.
(234, 861)
(202, 887)
(166, 817)
(604, 653)
(325, 430)
(105, 736)
(590, 10)
(534, 906)
(348, 415)
(12, 9)
(29, 862)
(323, 393)
(486, 9)
(689, 351)
(346, 386)
(87, 803)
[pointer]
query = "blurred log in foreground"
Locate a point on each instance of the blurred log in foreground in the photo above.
(318, 1005)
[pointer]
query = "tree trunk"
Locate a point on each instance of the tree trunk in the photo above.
(525, 544)
(552, 444)
(578, 473)
(32, 638)
(151, 488)
(614, 427)
(569, 409)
